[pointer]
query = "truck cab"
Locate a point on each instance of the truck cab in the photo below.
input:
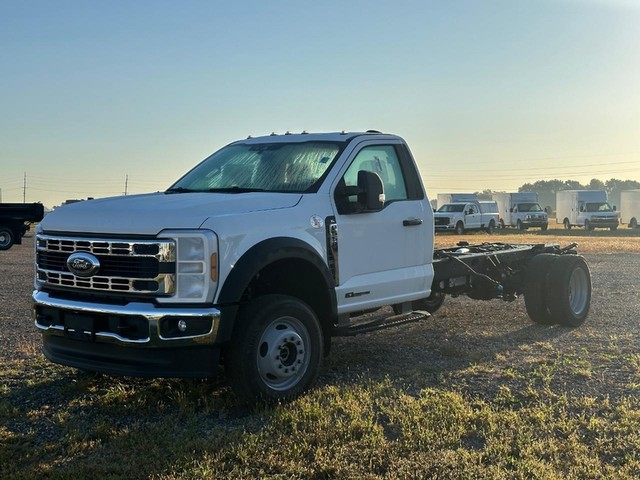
(460, 217)
(315, 227)
(525, 215)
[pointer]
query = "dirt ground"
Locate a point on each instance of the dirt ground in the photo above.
(480, 346)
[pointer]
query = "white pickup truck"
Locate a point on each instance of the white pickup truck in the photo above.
(260, 255)
(461, 217)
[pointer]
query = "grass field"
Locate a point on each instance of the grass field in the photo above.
(478, 391)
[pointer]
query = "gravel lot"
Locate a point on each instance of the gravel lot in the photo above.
(478, 346)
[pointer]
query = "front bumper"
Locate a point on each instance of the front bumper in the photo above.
(445, 227)
(604, 223)
(138, 339)
(535, 223)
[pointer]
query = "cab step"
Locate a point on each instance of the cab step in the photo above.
(380, 322)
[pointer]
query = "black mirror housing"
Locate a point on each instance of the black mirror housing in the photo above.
(371, 194)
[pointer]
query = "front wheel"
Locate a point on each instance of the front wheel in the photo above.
(491, 228)
(6, 238)
(633, 223)
(275, 351)
(587, 225)
(613, 228)
(544, 227)
(459, 228)
(567, 225)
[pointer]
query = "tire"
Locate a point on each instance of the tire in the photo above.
(459, 228)
(587, 225)
(6, 238)
(501, 223)
(614, 228)
(275, 351)
(536, 280)
(567, 225)
(569, 290)
(520, 226)
(544, 227)
(491, 228)
(633, 223)
(431, 304)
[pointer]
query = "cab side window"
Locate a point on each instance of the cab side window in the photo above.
(383, 160)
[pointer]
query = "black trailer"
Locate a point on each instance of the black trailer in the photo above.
(15, 221)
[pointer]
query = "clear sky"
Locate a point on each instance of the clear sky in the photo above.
(489, 94)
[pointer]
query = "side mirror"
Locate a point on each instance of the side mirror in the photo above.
(511, 210)
(614, 208)
(371, 191)
(582, 208)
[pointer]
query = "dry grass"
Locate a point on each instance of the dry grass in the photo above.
(623, 240)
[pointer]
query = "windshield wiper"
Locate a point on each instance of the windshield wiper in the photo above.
(179, 190)
(235, 190)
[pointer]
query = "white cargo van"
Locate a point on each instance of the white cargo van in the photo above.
(630, 208)
(585, 208)
(521, 210)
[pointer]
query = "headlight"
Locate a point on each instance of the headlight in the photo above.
(196, 262)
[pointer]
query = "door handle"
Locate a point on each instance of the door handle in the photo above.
(411, 222)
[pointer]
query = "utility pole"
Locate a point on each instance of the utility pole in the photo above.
(24, 188)
(126, 183)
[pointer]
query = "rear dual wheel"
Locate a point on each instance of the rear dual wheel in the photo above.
(558, 290)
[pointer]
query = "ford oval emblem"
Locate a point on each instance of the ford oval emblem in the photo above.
(83, 264)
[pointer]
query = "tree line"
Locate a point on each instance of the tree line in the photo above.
(547, 189)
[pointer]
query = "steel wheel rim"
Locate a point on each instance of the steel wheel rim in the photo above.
(283, 357)
(4, 239)
(578, 291)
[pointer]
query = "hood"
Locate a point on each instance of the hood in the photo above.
(151, 213)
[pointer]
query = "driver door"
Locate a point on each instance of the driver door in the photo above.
(383, 256)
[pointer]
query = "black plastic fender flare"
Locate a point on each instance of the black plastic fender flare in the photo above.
(253, 261)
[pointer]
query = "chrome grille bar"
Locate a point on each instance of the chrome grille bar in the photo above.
(141, 267)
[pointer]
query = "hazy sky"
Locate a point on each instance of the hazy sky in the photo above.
(489, 94)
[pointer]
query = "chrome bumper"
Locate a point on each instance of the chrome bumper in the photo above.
(154, 316)
(128, 339)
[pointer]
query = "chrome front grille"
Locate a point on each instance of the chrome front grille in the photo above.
(442, 220)
(140, 267)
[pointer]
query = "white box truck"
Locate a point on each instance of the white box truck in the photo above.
(520, 210)
(585, 208)
(630, 207)
(444, 198)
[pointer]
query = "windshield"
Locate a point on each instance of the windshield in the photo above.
(452, 207)
(269, 167)
(598, 207)
(529, 207)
